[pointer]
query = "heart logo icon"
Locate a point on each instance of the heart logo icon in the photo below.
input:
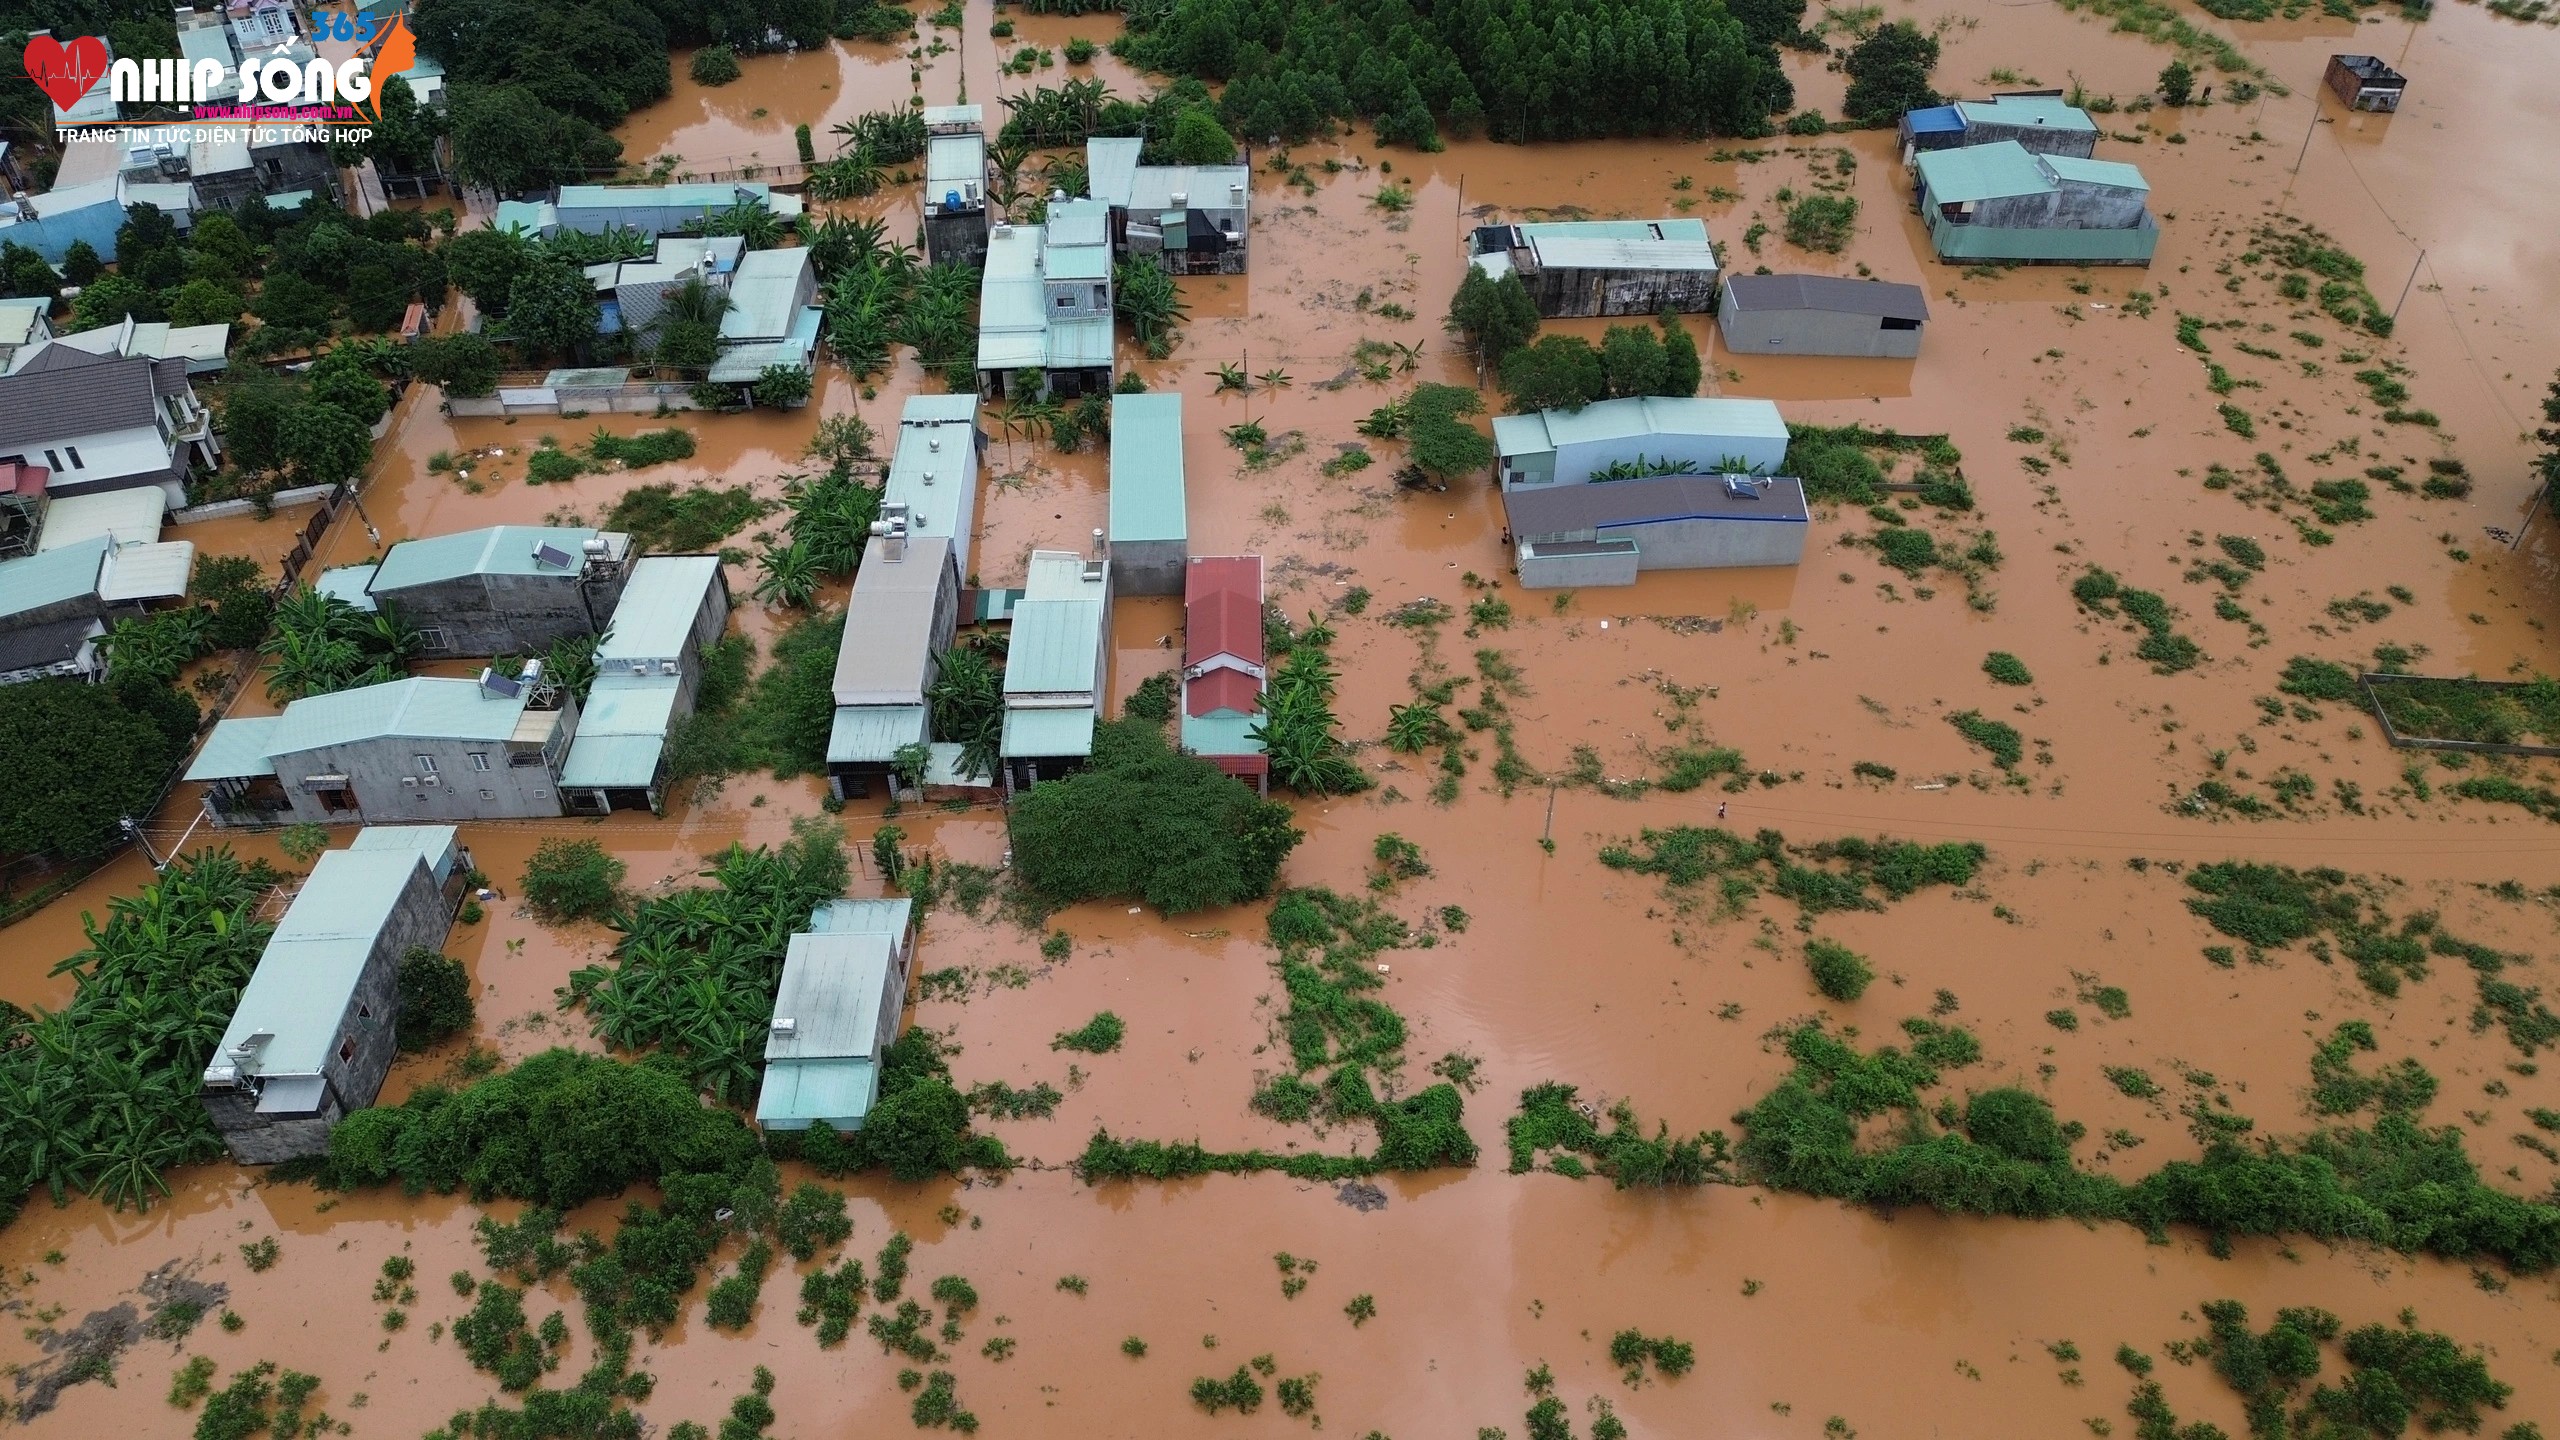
(66, 72)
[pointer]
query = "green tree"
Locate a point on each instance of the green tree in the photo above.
(435, 1000)
(80, 757)
(326, 445)
(293, 305)
(1437, 436)
(81, 263)
(462, 364)
(1144, 295)
(572, 880)
(2177, 83)
(484, 264)
(1198, 139)
(715, 65)
(111, 299)
(553, 308)
(1557, 372)
(253, 416)
(204, 302)
(1682, 371)
(506, 138)
(1496, 316)
(341, 380)
(1144, 822)
(1889, 74)
(1632, 358)
(783, 387)
(25, 275)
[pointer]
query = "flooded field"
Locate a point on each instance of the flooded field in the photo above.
(2090, 436)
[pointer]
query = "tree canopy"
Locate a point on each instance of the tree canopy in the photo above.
(1496, 316)
(80, 756)
(1145, 822)
(1889, 74)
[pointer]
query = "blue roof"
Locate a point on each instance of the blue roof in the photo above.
(1936, 120)
(51, 577)
(1146, 468)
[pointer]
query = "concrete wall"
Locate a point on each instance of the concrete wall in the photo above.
(708, 622)
(1965, 244)
(2040, 139)
(1813, 332)
(1149, 567)
(505, 614)
(375, 770)
(1718, 544)
(957, 237)
(1574, 567)
(1561, 292)
(2071, 207)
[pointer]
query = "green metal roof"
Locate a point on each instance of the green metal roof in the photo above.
(1043, 733)
(307, 976)
(764, 294)
(52, 577)
(1081, 344)
(1220, 734)
(1682, 230)
(1981, 172)
(1521, 435)
(425, 707)
(654, 618)
(1056, 647)
(799, 1093)
(622, 730)
(1111, 167)
(2097, 172)
(237, 749)
(862, 917)
(351, 583)
(1665, 415)
(2041, 110)
(1146, 468)
(497, 550)
(871, 734)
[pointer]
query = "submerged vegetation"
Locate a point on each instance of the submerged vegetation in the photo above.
(1824, 876)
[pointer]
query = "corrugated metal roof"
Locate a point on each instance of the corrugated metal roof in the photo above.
(1559, 253)
(439, 844)
(654, 618)
(1828, 293)
(1076, 262)
(934, 469)
(2036, 110)
(351, 583)
(1041, 734)
(717, 195)
(834, 987)
(1222, 608)
(19, 316)
(798, 1095)
(1676, 229)
(1079, 344)
(1220, 734)
(1079, 222)
(237, 749)
(1111, 167)
(746, 364)
(938, 116)
(59, 642)
(944, 767)
(1056, 647)
(496, 550)
(766, 290)
(159, 571)
(1147, 500)
(427, 707)
(1981, 172)
(1934, 120)
(307, 977)
(1665, 415)
(1058, 575)
(890, 915)
(954, 161)
(622, 730)
(531, 217)
(1203, 187)
(889, 623)
(872, 734)
(1521, 435)
(35, 581)
(2112, 173)
(1223, 688)
(1603, 505)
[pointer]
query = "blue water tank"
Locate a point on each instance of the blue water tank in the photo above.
(950, 199)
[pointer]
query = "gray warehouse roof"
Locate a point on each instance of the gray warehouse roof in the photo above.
(1613, 504)
(1828, 293)
(888, 624)
(496, 550)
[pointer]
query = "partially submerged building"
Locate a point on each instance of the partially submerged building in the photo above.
(1224, 665)
(1653, 433)
(2042, 124)
(2001, 202)
(933, 472)
(315, 1029)
(1150, 522)
(773, 319)
(1821, 315)
(649, 209)
(904, 611)
(2364, 82)
(424, 748)
(842, 996)
(500, 590)
(648, 673)
(1191, 219)
(955, 185)
(1057, 666)
(1604, 267)
(1045, 304)
(54, 604)
(1604, 534)
(632, 294)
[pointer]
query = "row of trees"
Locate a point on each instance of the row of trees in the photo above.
(1498, 318)
(1518, 70)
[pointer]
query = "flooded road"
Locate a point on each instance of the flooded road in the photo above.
(1911, 1325)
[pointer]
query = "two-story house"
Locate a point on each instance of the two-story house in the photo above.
(1057, 667)
(106, 422)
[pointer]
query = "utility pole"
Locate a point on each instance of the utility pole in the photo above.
(2404, 290)
(134, 833)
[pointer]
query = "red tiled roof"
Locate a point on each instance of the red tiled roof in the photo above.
(1222, 608)
(1222, 689)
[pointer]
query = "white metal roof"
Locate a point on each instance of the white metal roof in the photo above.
(125, 517)
(147, 572)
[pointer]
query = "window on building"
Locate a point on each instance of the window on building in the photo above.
(1896, 322)
(347, 1049)
(53, 461)
(432, 639)
(426, 764)
(74, 452)
(525, 759)
(1066, 302)
(479, 759)
(364, 1012)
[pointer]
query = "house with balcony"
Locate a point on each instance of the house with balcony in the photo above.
(106, 422)
(933, 473)
(1191, 219)
(1045, 304)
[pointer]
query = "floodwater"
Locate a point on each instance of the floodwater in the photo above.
(1909, 1325)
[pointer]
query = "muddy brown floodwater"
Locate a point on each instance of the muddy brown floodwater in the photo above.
(1907, 1325)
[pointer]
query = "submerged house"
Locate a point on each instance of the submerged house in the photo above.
(1605, 533)
(955, 185)
(1821, 315)
(1045, 303)
(315, 1028)
(933, 472)
(2042, 124)
(1656, 434)
(649, 209)
(2363, 82)
(2002, 202)
(842, 996)
(1057, 665)
(1224, 665)
(424, 748)
(648, 673)
(772, 319)
(1191, 219)
(632, 294)
(55, 603)
(904, 611)
(1150, 524)
(1604, 267)
(499, 590)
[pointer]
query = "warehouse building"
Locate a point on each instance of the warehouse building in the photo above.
(1821, 315)
(1604, 267)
